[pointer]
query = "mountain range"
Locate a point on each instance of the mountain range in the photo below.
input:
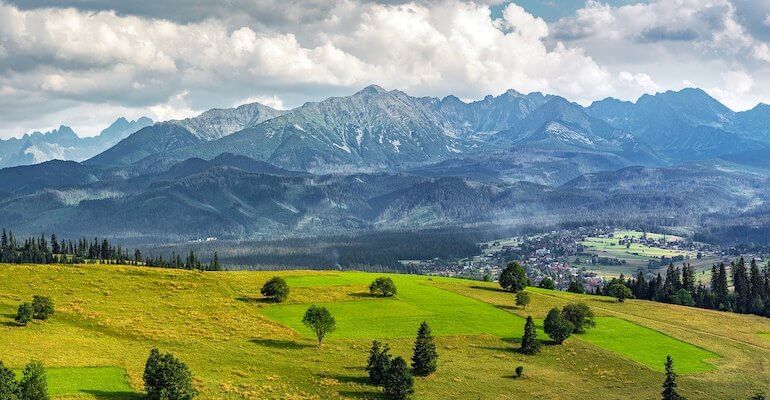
(63, 144)
(385, 160)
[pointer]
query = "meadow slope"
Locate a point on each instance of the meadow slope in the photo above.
(241, 347)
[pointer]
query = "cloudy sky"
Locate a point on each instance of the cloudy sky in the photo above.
(86, 62)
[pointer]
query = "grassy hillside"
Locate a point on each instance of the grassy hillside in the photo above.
(240, 347)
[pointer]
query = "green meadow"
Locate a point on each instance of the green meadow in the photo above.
(239, 346)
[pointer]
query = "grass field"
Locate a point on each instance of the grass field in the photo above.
(99, 382)
(240, 347)
(647, 346)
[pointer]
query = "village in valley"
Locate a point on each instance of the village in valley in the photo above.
(590, 255)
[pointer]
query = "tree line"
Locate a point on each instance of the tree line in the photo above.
(52, 250)
(750, 293)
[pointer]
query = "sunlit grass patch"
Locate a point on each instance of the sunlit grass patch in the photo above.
(647, 346)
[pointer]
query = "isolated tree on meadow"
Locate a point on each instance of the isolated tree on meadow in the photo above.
(9, 388)
(519, 372)
(399, 383)
(580, 315)
(320, 320)
(378, 364)
(522, 299)
(669, 385)
(167, 378)
(24, 314)
(620, 292)
(33, 384)
(42, 307)
(425, 355)
(557, 327)
(529, 343)
(383, 286)
(547, 283)
(513, 277)
(276, 289)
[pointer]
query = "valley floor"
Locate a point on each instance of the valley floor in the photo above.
(240, 347)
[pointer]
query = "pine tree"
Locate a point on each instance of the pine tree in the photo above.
(33, 384)
(688, 278)
(378, 364)
(425, 355)
(529, 342)
(399, 384)
(669, 385)
(741, 285)
(8, 385)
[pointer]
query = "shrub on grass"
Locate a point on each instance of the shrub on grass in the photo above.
(33, 384)
(425, 355)
(320, 320)
(24, 314)
(276, 289)
(620, 292)
(42, 307)
(399, 383)
(383, 286)
(167, 378)
(519, 372)
(557, 327)
(580, 315)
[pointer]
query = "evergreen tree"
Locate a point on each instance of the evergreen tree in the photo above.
(215, 263)
(720, 288)
(756, 289)
(399, 383)
(639, 288)
(741, 285)
(378, 364)
(688, 278)
(669, 385)
(9, 388)
(425, 355)
(33, 384)
(529, 342)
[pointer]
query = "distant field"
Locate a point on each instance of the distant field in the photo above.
(637, 255)
(240, 347)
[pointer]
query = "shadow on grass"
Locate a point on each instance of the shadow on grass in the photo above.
(104, 395)
(489, 289)
(256, 300)
(281, 344)
(365, 295)
(351, 394)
